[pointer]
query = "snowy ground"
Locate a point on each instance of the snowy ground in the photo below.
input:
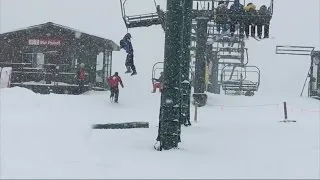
(50, 136)
(235, 137)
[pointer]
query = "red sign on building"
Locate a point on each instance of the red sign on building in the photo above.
(49, 42)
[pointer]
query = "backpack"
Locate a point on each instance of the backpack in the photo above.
(122, 43)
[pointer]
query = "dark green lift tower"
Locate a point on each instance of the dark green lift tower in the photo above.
(175, 97)
(169, 127)
(185, 63)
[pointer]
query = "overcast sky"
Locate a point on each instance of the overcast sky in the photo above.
(96, 16)
(103, 18)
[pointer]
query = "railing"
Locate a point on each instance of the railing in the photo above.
(295, 50)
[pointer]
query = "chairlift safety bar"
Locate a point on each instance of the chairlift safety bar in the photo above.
(295, 50)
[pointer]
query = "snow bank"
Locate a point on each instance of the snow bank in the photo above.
(5, 77)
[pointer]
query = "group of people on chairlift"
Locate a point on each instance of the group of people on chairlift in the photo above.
(243, 17)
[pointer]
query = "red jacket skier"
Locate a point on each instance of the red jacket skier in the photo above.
(81, 76)
(113, 82)
(158, 83)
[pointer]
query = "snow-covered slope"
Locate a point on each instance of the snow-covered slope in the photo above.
(235, 137)
(50, 136)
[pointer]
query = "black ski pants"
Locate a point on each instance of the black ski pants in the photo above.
(81, 86)
(129, 62)
(114, 93)
(266, 27)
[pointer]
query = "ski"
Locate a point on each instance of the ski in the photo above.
(262, 38)
(257, 39)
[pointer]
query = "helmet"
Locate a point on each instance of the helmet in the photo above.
(128, 35)
(116, 73)
(263, 8)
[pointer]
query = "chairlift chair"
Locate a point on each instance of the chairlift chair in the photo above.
(155, 68)
(158, 66)
(143, 20)
(235, 79)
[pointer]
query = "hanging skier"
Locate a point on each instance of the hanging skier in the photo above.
(125, 43)
(113, 82)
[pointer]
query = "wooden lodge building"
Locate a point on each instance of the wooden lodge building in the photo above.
(45, 58)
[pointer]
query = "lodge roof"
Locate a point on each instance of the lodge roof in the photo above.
(50, 25)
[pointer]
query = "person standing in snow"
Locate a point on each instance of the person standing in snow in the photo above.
(56, 74)
(81, 76)
(113, 82)
(125, 43)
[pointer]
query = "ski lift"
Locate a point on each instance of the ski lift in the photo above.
(314, 70)
(143, 20)
(235, 54)
(240, 80)
(225, 17)
(158, 67)
(230, 55)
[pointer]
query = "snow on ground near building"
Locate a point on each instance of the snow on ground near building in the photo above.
(50, 136)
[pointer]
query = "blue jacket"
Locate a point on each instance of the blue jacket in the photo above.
(126, 45)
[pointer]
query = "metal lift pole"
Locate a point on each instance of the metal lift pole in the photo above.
(311, 78)
(169, 124)
(185, 63)
(215, 75)
(199, 95)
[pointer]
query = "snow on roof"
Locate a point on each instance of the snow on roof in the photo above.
(113, 44)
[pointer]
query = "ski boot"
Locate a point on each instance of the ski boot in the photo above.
(134, 73)
(128, 70)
